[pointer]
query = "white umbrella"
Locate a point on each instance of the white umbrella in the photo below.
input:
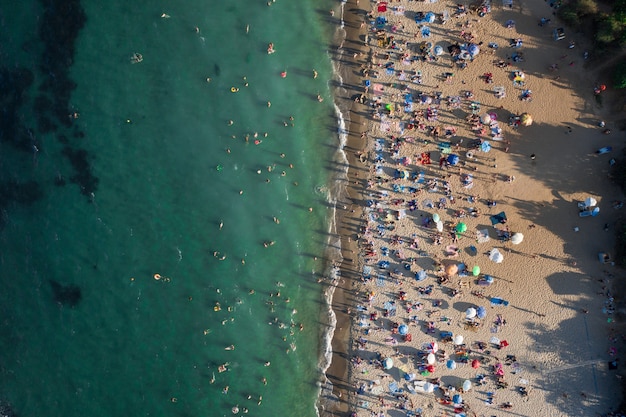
(428, 387)
(496, 256)
(388, 363)
(470, 313)
(517, 238)
(486, 119)
(467, 385)
(431, 358)
(590, 202)
(458, 340)
(439, 225)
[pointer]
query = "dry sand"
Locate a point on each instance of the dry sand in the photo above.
(557, 325)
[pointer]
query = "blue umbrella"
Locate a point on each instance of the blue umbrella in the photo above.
(420, 275)
(430, 17)
(438, 50)
(451, 364)
(403, 329)
(481, 312)
(473, 49)
(383, 264)
(485, 146)
(453, 159)
(457, 399)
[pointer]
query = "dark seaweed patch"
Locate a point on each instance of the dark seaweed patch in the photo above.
(87, 182)
(66, 295)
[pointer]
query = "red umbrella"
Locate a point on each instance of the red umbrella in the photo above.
(430, 368)
(475, 364)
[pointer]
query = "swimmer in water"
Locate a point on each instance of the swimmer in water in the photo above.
(314, 74)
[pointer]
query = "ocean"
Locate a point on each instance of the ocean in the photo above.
(168, 192)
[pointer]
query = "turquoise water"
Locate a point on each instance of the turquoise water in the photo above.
(86, 327)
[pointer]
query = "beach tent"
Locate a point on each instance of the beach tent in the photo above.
(420, 275)
(517, 238)
(467, 385)
(496, 256)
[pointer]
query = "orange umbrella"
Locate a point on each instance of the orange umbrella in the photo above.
(452, 269)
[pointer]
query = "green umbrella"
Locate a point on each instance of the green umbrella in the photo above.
(476, 270)
(461, 227)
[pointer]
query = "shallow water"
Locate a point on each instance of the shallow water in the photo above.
(137, 182)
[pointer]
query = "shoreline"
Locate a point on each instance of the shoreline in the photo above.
(349, 213)
(543, 262)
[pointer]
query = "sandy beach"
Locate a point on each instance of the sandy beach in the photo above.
(476, 286)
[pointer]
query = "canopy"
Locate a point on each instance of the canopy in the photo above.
(458, 340)
(526, 119)
(590, 202)
(482, 236)
(431, 359)
(481, 312)
(496, 256)
(485, 146)
(517, 238)
(452, 269)
(476, 270)
(388, 363)
(403, 329)
(470, 313)
(461, 227)
(453, 159)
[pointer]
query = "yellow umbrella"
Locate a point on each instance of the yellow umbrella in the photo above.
(526, 119)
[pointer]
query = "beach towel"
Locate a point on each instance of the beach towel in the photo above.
(498, 218)
(390, 71)
(367, 272)
(445, 147)
(482, 236)
(393, 387)
(425, 158)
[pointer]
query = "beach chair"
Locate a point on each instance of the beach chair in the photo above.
(499, 92)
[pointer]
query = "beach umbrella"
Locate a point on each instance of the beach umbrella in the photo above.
(475, 364)
(457, 399)
(420, 275)
(493, 116)
(590, 202)
(496, 256)
(438, 50)
(403, 329)
(436, 217)
(481, 312)
(467, 385)
(486, 119)
(430, 368)
(595, 212)
(470, 313)
(473, 49)
(430, 17)
(517, 238)
(439, 225)
(452, 269)
(428, 387)
(431, 359)
(389, 106)
(458, 339)
(461, 227)
(476, 270)
(388, 363)
(526, 119)
(485, 146)
(433, 347)
(453, 159)
(451, 364)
